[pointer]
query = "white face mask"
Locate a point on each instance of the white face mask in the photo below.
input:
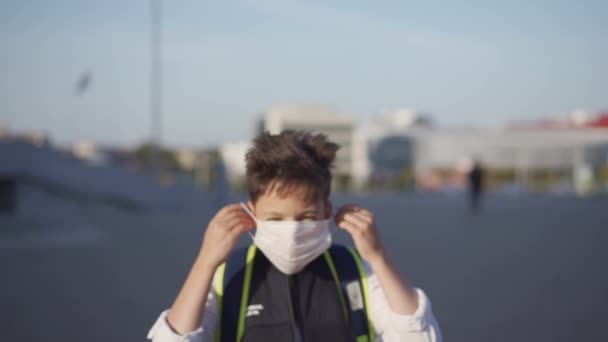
(291, 245)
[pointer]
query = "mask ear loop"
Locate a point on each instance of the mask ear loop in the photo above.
(244, 206)
(246, 209)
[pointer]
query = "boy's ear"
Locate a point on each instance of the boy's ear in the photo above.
(329, 209)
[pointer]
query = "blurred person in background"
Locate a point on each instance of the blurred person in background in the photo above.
(476, 179)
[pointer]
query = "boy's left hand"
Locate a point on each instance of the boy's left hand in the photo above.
(361, 225)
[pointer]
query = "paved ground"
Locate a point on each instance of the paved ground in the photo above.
(526, 269)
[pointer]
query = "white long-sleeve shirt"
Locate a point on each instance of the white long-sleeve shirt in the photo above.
(389, 326)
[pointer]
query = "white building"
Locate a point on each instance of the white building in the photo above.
(316, 118)
(399, 142)
(522, 150)
(386, 146)
(233, 157)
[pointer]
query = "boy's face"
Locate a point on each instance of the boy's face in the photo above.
(271, 207)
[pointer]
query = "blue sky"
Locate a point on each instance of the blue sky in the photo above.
(466, 62)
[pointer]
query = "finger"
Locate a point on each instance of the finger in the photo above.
(234, 213)
(342, 208)
(369, 219)
(346, 207)
(238, 230)
(236, 208)
(231, 207)
(231, 223)
(349, 227)
(342, 212)
(355, 219)
(238, 220)
(363, 211)
(228, 209)
(354, 208)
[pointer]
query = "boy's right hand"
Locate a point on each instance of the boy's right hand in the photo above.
(222, 234)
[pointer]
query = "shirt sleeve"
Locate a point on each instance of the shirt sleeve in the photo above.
(421, 326)
(161, 331)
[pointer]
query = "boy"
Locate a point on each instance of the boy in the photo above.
(291, 284)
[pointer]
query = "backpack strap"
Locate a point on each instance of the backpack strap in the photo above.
(347, 269)
(234, 279)
(345, 264)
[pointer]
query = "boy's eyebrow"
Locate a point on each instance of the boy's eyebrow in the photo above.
(275, 213)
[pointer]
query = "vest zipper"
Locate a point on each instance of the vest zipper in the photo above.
(294, 326)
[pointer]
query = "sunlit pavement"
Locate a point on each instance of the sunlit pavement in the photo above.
(524, 269)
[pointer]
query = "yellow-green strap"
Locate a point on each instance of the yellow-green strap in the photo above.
(363, 338)
(245, 295)
(363, 276)
(219, 291)
(332, 269)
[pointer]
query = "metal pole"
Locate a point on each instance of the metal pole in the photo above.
(156, 74)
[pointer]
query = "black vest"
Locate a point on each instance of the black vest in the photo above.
(279, 306)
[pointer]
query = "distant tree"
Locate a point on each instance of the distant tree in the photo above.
(155, 156)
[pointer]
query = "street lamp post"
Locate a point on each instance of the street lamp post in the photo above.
(156, 90)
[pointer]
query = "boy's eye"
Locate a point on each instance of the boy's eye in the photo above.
(274, 219)
(309, 218)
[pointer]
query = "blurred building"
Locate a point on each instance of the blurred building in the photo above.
(507, 148)
(337, 126)
(198, 166)
(36, 138)
(233, 159)
(577, 119)
(314, 118)
(385, 149)
(89, 152)
(402, 145)
(3, 131)
(404, 149)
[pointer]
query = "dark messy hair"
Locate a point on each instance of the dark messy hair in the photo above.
(289, 160)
